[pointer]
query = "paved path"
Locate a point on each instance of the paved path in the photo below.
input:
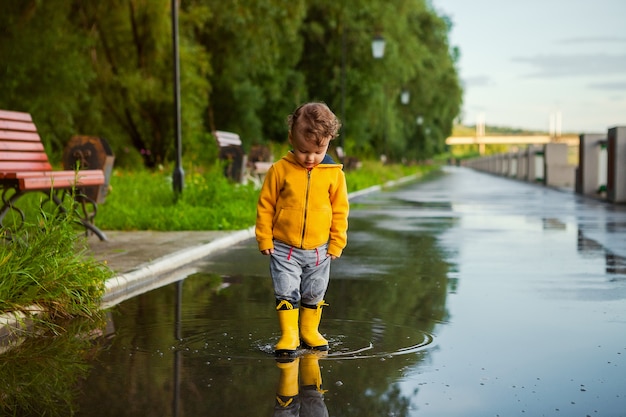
(144, 260)
(128, 251)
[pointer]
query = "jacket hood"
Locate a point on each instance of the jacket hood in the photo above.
(327, 161)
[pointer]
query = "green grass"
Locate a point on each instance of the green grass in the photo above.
(375, 173)
(45, 264)
(143, 200)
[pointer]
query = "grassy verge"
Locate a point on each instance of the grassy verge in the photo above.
(375, 173)
(142, 200)
(44, 265)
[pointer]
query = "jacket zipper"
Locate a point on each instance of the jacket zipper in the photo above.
(306, 206)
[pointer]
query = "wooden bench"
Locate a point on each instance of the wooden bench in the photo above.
(231, 151)
(349, 162)
(24, 167)
(241, 167)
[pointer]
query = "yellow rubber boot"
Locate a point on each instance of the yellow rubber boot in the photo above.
(287, 391)
(310, 317)
(310, 374)
(288, 320)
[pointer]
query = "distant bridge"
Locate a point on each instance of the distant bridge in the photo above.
(481, 141)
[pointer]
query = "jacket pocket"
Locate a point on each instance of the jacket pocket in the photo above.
(288, 225)
(317, 227)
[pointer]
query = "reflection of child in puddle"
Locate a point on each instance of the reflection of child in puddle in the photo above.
(305, 399)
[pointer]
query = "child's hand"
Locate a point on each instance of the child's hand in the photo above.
(332, 257)
(267, 251)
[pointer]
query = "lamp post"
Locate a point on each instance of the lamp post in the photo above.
(178, 176)
(405, 97)
(378, 47)
(342, 137)
(378, 52)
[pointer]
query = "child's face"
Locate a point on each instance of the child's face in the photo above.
(307, 153)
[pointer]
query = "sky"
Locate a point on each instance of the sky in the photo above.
(550, 65)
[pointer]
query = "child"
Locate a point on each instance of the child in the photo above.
(302, 223)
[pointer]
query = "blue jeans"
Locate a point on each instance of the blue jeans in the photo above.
(299, 275)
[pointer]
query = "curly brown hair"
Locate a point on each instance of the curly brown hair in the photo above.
(315, 122)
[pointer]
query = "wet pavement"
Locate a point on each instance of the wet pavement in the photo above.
(129, 251)
(146, 260)
(460, 295)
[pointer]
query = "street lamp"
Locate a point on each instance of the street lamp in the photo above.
(405, 96)
(178, 176)
(342, 137)
(378, 47)
(378, 52)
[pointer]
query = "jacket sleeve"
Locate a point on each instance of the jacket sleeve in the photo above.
(266, 208)
(341, 208)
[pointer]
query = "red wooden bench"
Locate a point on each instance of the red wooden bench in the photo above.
(24, 167)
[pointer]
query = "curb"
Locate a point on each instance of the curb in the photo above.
(151, 275)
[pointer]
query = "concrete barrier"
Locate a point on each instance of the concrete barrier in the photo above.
(558, 173)
(535, 164)
(588, 173)
(601, 171)
(616, 153)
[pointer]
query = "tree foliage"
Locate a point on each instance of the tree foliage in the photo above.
(105, 69)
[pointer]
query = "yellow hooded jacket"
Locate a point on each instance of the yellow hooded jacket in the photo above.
(303, 208)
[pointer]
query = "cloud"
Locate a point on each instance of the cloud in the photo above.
(550, 66)
(478, 81)
(613, 86)
(595, 39)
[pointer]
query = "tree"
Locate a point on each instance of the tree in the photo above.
(44, 68)
(105, 69)
(417, 58)
(254, 81)
(133, 63)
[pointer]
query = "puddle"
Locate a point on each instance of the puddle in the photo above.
(345, 337)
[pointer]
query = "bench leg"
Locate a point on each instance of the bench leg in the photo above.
(92, 228)
(8, 204)
(85, 218)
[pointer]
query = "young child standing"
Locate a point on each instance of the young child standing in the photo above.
(302, 223)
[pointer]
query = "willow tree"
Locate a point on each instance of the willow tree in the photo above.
(253, 46)
(101, 68)
(339, 68)
(132, 60)
(45, 70)
(106, 69)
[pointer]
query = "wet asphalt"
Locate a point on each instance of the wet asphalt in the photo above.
(464, 294)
